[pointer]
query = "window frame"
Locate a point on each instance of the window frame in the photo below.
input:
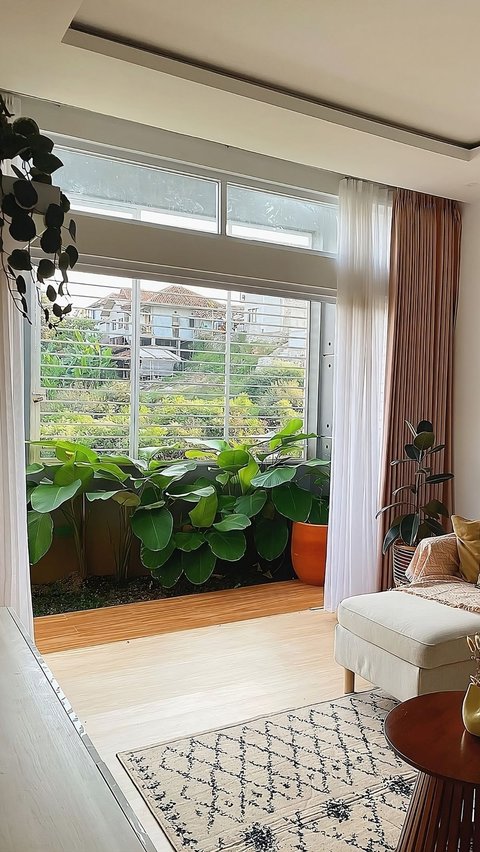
(199, 276)
(222, 179)
(313, 371)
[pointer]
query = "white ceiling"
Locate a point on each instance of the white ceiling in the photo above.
(412, 63)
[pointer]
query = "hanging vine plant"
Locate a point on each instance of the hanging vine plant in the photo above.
(32, 223)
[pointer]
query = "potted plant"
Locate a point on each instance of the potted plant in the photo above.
(32, 219)
(309, 540)
(68, 483)
(267, 478)
(421, 513)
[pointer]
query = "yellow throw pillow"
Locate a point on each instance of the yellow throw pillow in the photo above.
(468, 543)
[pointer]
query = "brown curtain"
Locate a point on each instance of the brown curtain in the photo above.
(424, 273)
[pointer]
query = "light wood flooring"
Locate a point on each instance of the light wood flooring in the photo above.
(150, 618)
(140, 691)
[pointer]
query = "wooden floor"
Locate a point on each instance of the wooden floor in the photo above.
(150, 618)
(134, 693)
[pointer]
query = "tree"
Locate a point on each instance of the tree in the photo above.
(74, 355)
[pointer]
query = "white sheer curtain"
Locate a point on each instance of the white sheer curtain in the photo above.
(359, 379)
(14, 565)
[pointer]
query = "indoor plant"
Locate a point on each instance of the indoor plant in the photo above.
(267, 479)
(418, 513)
(32, 221)
(68, 483)
(309, 539)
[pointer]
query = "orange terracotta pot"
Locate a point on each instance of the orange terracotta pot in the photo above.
(309, 552)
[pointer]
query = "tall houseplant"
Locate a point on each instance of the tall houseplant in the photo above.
(67, 484)
(418, 513)
(309, 538)
(269, 483)
(33, 218)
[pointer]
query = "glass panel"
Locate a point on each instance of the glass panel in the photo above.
(191, 384)
(184, 379)
(272, 218)
(84, 374)
(103, 185)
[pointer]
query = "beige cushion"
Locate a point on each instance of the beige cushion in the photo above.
(425, 633)
(468, 542)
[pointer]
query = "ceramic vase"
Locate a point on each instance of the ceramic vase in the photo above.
(471, 710)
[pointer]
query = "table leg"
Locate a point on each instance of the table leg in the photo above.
(441, 817)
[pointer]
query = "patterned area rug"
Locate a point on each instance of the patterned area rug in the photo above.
(313, 779)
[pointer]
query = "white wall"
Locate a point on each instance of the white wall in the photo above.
(467, 371)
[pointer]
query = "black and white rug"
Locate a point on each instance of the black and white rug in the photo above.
(307, 780)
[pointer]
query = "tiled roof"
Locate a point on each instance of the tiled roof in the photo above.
(173, 295)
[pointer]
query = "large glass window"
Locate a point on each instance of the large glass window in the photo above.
(84, 390)
(132, 190)
(141, 363)
(274, 218)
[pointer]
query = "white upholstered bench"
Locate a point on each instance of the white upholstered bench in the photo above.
(404, 644)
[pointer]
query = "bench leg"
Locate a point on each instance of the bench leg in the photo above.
(348, 682)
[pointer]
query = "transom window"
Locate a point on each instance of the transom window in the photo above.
(106, 185)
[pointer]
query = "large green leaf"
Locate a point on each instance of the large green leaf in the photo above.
(434, 526)
(247, 474)
(203, 514)
(436, 478)
(230, 546)
(291, 501)
(119, 460)
(110, 471)
(199, 454)
(215, 443)
(70, 471)
(170, 573)
(291, 426)
(190, 493)
(156, 558)
(40, 535)
(198, 565)
(391, 536)
(319, 512)
(48, 497)
(233, 522)
(412, 452)
(435, 507)
(226, 502)
(424, 440)
(409, 527)
(251, 504)
(188, 541)
(274, 477)
(153, 528)
(233, 460)
(271, 537)
(126, 498)
(66, 450)
(425, 426)
(35, 467)
(178, 469)
(94, 496)
(157, 504)
(316, 463)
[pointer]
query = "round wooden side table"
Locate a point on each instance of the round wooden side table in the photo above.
(444, 812)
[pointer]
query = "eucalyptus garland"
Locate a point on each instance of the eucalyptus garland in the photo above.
(21, 140)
